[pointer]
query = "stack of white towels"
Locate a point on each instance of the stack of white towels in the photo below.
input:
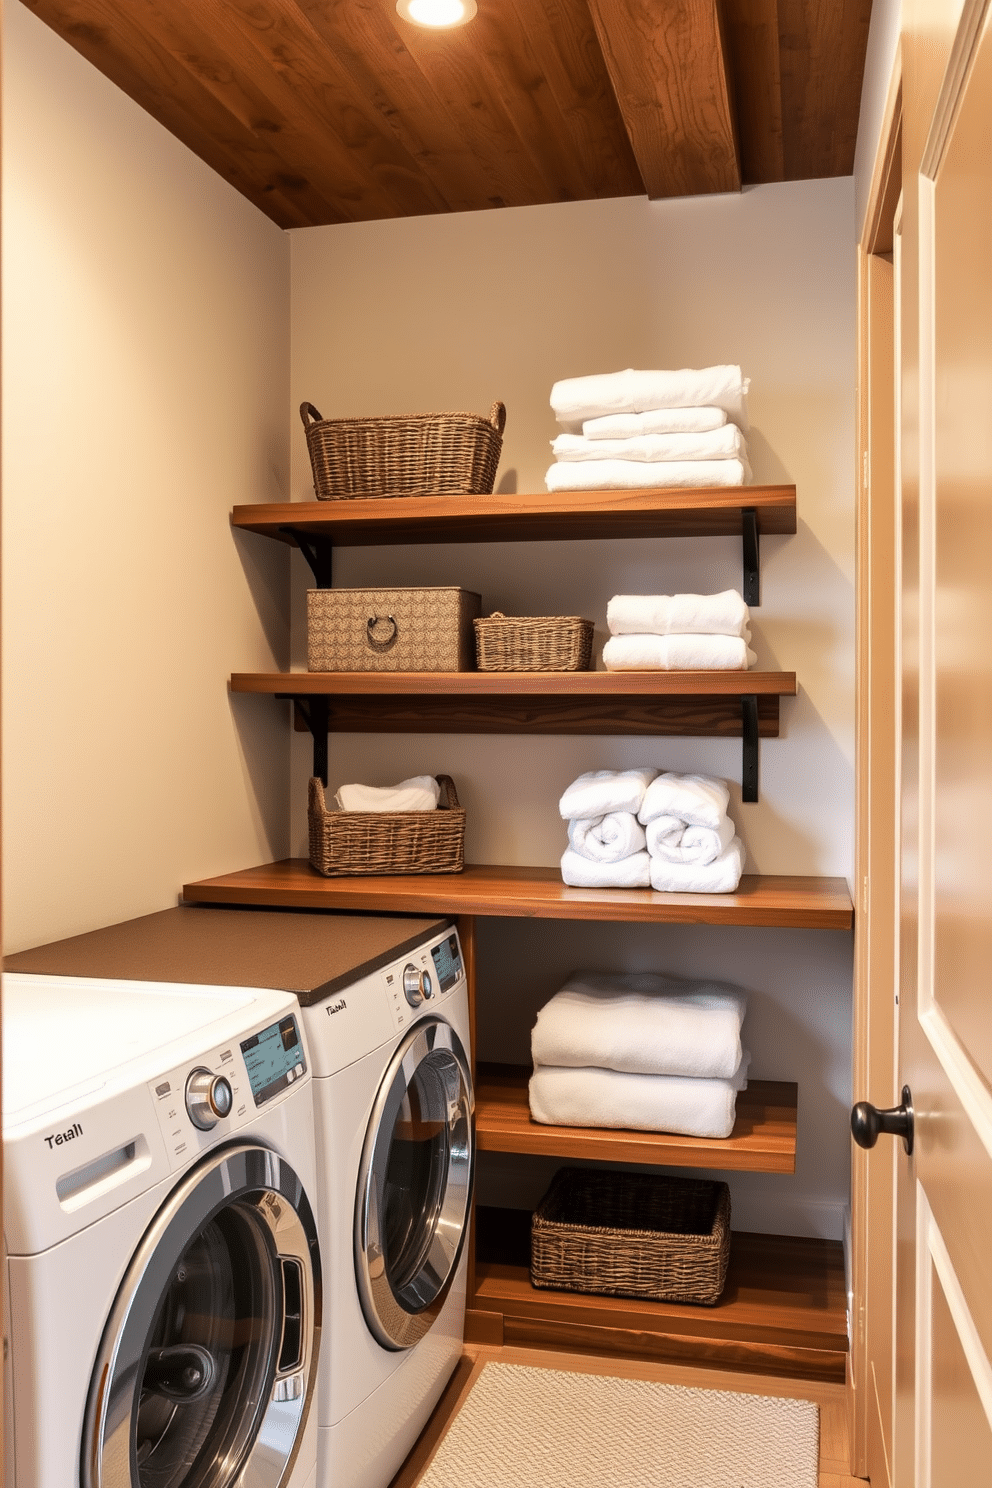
(678, 633)
(638, 829)
(640, 1051)
(629, 430)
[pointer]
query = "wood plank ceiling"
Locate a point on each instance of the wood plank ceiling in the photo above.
(326, 111)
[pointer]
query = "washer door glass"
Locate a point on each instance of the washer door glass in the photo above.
(206, 1368)
(415, 1185)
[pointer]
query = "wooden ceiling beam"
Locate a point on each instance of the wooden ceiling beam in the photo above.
(669, 69)
(755, 56)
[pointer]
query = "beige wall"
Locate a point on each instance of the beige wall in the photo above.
(145, 369)
(452, 312)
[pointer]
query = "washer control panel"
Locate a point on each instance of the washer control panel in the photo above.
(427, 976)
(197, 1104)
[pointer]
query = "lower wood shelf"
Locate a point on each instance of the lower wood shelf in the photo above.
(763, 1139)
(783, 1310)
(532, 893)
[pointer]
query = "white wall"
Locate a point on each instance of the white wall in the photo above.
(145, 323)
(452, 312)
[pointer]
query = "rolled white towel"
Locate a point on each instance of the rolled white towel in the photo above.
(655, 421)
(606, 1098)
(669, 838)
(575, 399)
(642, 1023)
(600, 792)
(700, 800)
(679, 614)
(606, 839)
(640, 475)
(630, 873)
(719, 877)
(725, 443)
(419, 793)
(677, 653)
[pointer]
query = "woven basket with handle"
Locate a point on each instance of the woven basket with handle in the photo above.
(417, 454)
(367, 842)
(632, 1235)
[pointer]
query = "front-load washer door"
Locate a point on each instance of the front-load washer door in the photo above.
(208, 1361)
(415, 1184)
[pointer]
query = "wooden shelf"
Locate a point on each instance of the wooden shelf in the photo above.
(763, 1139)
(532, 893)
(783, 1310)
(712, 512)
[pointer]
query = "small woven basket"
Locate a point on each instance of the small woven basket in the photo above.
(418, 454)
(632, 1235)
(532, 643)
(366, 842)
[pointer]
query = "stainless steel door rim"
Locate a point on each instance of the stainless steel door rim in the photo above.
(415, 1184)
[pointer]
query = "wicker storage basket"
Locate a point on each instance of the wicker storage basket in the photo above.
(391, 630)
(530, 643)
(418, 454)
(366, 842)
(632, 1235)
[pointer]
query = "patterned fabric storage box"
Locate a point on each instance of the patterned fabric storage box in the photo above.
(391, 630)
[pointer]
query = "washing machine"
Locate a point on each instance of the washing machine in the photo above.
(395, 1147)
(163, 1266)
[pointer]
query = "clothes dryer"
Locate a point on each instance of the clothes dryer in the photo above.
(395, 1145)
(164, 1274)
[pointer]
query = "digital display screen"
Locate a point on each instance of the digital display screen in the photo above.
(274, 1059)
(447, 962)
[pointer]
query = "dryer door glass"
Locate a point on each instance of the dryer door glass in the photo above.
(415, 1185)
(207, 1363)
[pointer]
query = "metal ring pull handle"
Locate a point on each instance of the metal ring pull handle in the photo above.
(377, 643)
(868, 1122)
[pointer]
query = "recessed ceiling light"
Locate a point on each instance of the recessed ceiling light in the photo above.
(437, 14)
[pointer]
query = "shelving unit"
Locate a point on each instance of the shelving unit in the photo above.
(784, 1307)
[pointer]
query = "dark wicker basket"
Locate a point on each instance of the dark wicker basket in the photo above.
(531, 643)
(418, 454)
(366, 842)
(632, 1235)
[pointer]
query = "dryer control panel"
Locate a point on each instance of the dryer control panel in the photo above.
(426, 977)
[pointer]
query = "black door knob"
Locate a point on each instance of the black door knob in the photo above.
(867, 1121)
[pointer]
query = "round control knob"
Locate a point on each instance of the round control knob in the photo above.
(209, 1098)
(417, 984)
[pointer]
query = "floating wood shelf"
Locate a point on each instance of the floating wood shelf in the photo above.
(763, 1139)
(783, 1310)
(532, 893)
(741, 705)
(317, 527)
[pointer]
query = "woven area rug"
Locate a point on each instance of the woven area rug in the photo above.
(521, 1427)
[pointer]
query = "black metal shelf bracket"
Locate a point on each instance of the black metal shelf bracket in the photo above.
(749, 747)
(749, 535)
(316, 713)
(319, 553)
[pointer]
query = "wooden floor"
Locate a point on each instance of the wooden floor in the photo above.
(834, 1448)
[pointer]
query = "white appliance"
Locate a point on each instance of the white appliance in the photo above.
(395, 1146)
(163, 1266)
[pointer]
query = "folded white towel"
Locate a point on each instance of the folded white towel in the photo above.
(677, 653)
(606, 1098)
(679, 614)
(642, 1023)
(669, 838)
(577, 398)
(630, 873)
(640, 475)
(726, 443)
(419, 793)
(719, 877)
(700, 800)
(600, 792)
(606, 839)
(655, 421)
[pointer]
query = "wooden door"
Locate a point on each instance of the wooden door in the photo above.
(943, 1375)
